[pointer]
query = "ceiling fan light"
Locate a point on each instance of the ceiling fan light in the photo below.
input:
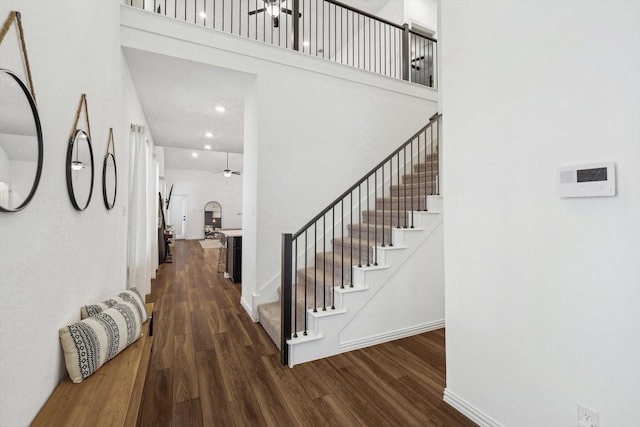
(226, 173)
(273, 9)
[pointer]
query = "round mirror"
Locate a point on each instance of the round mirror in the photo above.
(80, 170)
(21, 146)
(109, 181)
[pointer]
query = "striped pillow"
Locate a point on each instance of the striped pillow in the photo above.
(92, 342)
(131, 296)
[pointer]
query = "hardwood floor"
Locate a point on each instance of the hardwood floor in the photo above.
(212, 366)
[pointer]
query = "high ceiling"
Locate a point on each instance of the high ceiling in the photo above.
(179, 99)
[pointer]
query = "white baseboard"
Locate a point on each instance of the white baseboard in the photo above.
(247, 308)
(468, 410)
(390, 336)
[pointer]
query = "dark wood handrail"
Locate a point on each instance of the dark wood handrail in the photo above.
(432, 120)
(362, 12)
(415, 33)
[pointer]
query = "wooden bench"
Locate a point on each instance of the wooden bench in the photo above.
(112, 396)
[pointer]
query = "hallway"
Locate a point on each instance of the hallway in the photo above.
(212, 366)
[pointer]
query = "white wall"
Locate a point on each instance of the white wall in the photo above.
(541, 292)
(422, 12)
(319, 126)
(54, 259)
(202, 187)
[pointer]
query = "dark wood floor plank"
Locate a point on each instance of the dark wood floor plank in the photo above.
(187, 413)
(185, 374)
(213, 366)
(157, 402)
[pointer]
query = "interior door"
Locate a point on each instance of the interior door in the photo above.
(178, 215)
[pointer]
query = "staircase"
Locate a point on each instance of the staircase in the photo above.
(354, 252)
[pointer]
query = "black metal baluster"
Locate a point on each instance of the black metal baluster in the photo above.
(316, 40)
(353, 40)
(295, 290)
(323, 41)
(195, 11)
(368, 227)
(222, 15)
(213, 20)
(341, 42)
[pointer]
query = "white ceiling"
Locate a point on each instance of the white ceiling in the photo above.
(179, 99)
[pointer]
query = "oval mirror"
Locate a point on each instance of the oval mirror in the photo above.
(80, 170)
(109, 180)
(21, 146)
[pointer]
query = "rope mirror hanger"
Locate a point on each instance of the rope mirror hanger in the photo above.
(80, 167)
(21, 131)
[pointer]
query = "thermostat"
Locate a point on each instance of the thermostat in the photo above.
(592, 180)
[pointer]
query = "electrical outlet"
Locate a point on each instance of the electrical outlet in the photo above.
(587, 417)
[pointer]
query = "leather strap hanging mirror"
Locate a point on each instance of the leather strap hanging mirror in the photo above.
(80, 168)
(110, 174)
(21, 142)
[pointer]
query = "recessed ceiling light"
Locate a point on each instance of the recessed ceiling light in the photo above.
(207, 147)
(220, 109)
(194, 154)
(305, 43)
(208, 135)
(203, 15)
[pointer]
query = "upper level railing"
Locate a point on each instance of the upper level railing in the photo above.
(325, 29)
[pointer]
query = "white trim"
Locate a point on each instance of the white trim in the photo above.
(390, 336)
(468, 410)
(247, 308)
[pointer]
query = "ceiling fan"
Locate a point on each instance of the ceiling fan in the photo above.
(273, 8)
(228, 172)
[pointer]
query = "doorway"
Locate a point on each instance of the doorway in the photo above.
(178, 215)
(212, 219)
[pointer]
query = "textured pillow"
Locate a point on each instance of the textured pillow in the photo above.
(92, 342)
(131, 296)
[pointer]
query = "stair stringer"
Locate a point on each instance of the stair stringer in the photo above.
(333, 334)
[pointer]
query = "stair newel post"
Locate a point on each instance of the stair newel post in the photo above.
(351, 245)
(398, 183)
(342, 251)
(295, 10)
(437, 123)
(426, 172)
(285, 307)
(360, 224)
(295, 289)
(306, 280)
(406, 59)
(433, 179)
(404, 171)
(333, 269)
(368, 227)
(375, 230)
(390, 202)
(315, 266)
(412, 199)
(324, 264)
(384, 203)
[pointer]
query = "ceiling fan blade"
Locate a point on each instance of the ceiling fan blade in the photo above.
(253, 12)
(236, 173)
(290, 12)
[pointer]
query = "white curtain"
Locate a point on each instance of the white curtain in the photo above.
(142, 253)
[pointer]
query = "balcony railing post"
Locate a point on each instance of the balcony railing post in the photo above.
(406, 57)
(285, 307)
(295, 20)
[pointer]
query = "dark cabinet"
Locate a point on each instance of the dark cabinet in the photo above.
(234, 258)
